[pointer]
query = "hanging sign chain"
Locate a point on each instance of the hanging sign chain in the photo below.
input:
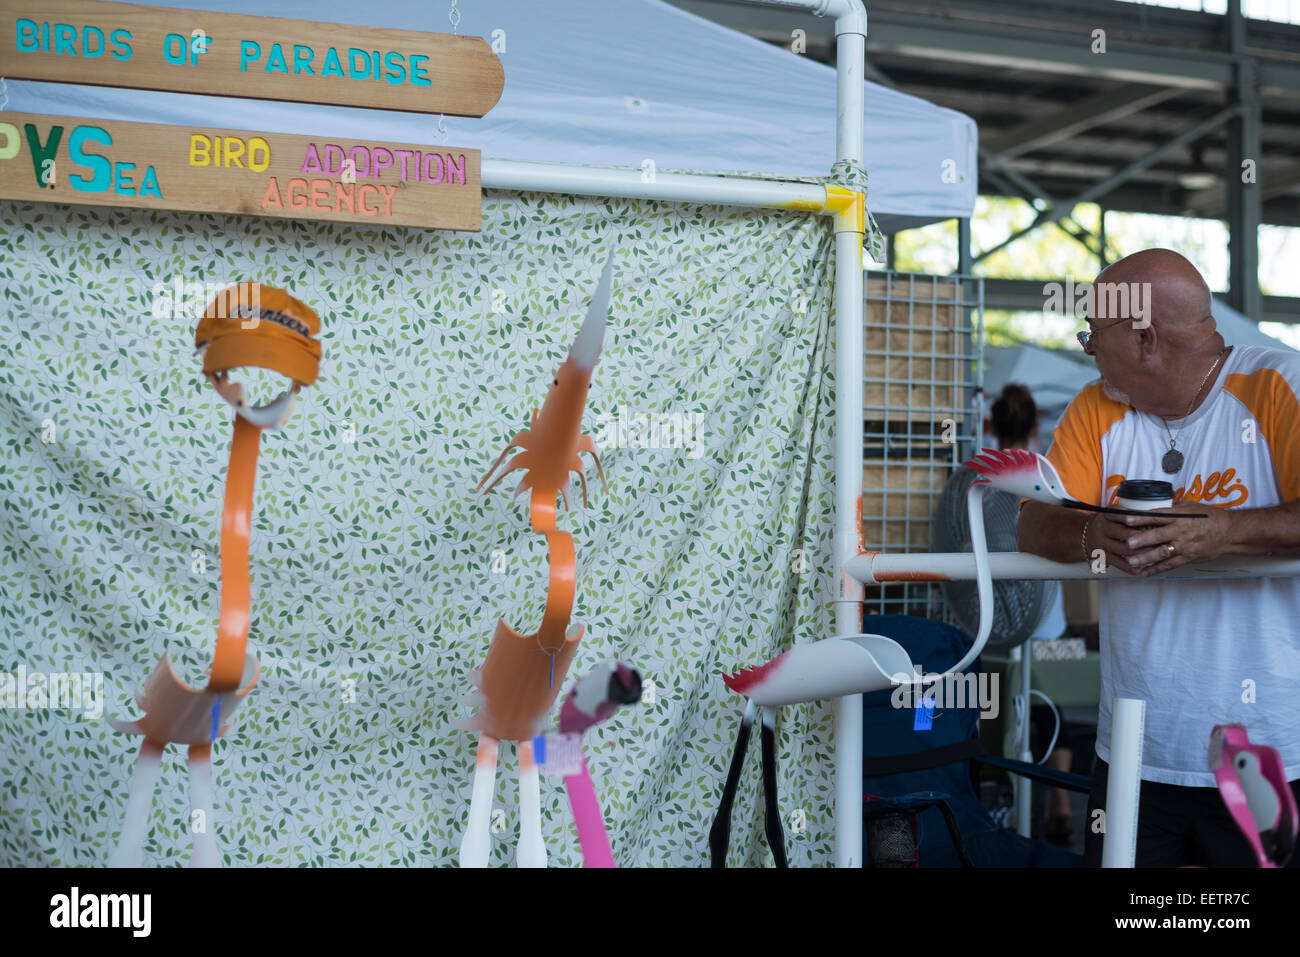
(453, 17)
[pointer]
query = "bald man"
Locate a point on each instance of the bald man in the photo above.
(1222, 425)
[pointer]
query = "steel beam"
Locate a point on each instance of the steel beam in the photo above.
(1273, 182)
(1023, 183)
(1001, 46)
(1279, 181)
(1016, 183)
(1100, 189)
(1020, 48)
(1082, 235)
(1083, 115)
(1240, 178)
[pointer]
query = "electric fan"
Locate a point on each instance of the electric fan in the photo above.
(1018, 605)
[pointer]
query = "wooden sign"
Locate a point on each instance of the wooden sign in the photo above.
(230, 54)
(59, 159)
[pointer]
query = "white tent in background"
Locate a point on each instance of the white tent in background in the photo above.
(1240, 330)
(603, 82)
(1055, 376)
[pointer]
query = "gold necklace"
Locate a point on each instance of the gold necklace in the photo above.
(1173, 459)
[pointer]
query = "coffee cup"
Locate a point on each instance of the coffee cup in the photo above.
(1143, 495)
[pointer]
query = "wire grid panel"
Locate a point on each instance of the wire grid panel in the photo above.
(922, 365)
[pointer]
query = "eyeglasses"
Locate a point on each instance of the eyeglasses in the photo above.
(1087, 335)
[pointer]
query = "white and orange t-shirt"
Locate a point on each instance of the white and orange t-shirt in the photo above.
(1200, 653)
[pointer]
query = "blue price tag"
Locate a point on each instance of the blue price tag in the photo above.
(924, 715)
(539, 749)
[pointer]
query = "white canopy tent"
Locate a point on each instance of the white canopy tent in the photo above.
(605, 82)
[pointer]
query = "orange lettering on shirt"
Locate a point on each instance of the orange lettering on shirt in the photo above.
(1218, 485)
(1236, 488)
(1113, 483)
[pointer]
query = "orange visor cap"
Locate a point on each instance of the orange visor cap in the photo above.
(254, 325)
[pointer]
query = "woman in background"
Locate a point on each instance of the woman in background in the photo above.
(1015, 423)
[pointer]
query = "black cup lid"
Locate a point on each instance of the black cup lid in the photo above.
(1145, 490)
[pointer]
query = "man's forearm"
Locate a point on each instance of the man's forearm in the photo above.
(1052, 532)
(1264, 531)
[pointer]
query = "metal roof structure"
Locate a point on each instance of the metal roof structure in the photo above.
(1137, 107)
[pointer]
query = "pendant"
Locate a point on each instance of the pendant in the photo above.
(1172, 461)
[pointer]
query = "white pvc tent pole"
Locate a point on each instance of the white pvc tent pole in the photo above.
(1124, 782)
(850, 317)
(875, 567)
(665, 187)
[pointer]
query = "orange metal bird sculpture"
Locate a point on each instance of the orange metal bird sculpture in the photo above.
(246, 325)
(522, 675)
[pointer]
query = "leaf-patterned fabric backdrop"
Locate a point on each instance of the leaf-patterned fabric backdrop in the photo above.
(378, 572)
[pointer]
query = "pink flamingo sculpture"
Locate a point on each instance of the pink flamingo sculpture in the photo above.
(1253, 784)
(594, 699)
